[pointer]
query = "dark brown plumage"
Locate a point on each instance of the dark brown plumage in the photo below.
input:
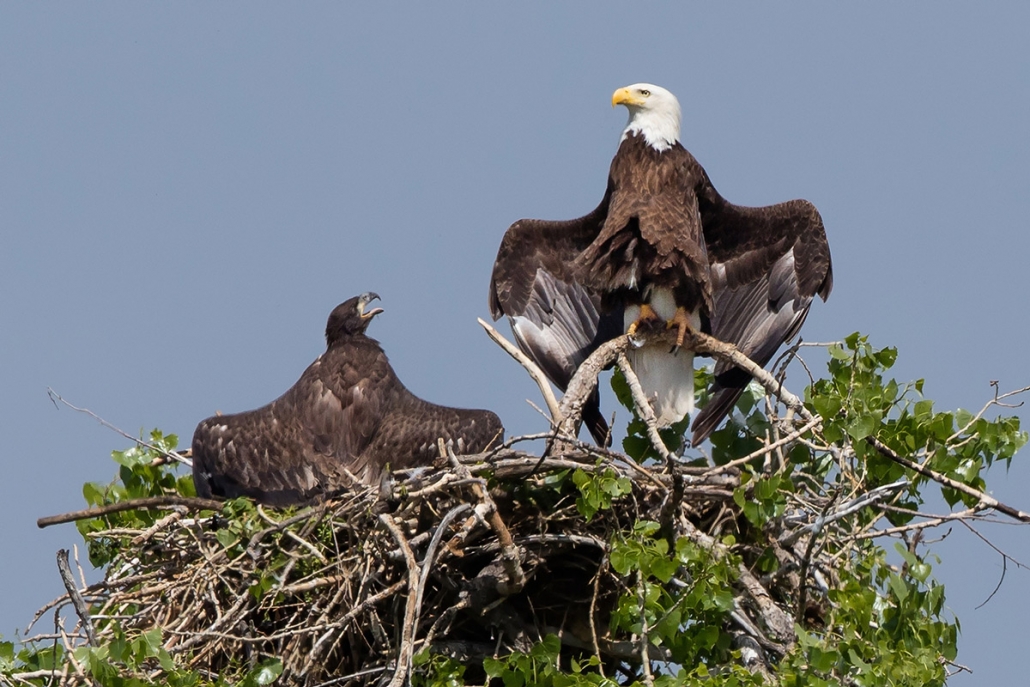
(348, 414)
(662, 236)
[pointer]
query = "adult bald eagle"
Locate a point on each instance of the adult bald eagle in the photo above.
(663, 249)
(348, 413)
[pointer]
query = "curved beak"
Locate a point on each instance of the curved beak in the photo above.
(625, 96)
(363, 302)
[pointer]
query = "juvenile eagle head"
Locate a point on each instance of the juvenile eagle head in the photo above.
(351, 317)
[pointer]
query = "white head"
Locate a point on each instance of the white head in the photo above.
(654, 113)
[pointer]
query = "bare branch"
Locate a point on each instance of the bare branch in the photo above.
(176, 457)
(985, 500)
(131, 504)
(644, 409)
(407, 647)
(76, 598)
(531, 367)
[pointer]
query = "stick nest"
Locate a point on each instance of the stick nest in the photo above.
(479, 557)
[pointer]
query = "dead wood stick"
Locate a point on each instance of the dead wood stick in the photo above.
(782, 441)
(585, 379)
(645, 660)
(593, 612)
(996, 401)
(987, 501)
(170, 455)
(806, 559)
(131, 504)
(305, 514)
(76, 598)
(510, 558)
(708, 345)
(644, 409)
(430, 557)
(969, 513)
(400, 676)
(146, 534)
(584, 382)
(298, 587)
(532, 368)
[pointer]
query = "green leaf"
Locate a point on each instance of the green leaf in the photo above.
(226, 538)
(863, 426)
(493, 667)
(267, 672)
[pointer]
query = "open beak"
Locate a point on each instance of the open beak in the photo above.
(363, 302)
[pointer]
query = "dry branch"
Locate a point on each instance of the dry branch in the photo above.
(169, 455)
(132, 504)
(984, 499)
(76, 598)
(534, 371)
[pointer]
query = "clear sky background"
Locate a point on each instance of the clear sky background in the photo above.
(187, 190)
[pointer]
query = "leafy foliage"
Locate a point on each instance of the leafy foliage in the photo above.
(142, 472)
(773, 571)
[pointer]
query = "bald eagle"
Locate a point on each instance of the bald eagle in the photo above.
(662, 250)
(348, 414)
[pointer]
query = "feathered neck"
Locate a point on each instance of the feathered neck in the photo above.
(659, 127)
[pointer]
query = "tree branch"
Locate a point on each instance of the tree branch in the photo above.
(407, 646)
(171, 455)
(534, 371)
(76, 598)
(131, 504)
(987, 501)
(644, 409)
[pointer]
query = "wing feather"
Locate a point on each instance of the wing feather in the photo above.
(556, 318)
(767, 264)
(297, 447)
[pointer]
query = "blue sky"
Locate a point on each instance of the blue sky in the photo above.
(187, 190)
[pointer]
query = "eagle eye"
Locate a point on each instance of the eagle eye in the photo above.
(645, 92)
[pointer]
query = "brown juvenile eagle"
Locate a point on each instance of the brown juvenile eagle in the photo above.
(348, 413)
(663, 249)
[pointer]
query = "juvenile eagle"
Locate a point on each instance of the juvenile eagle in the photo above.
(663, 249)
(348, 412)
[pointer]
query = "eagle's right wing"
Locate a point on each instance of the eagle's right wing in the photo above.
(556, 318)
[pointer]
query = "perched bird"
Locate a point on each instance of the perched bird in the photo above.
(348, 414)
(663, 249)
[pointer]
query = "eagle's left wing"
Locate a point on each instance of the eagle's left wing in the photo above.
(767, 263)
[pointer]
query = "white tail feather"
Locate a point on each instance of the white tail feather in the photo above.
(667, 380)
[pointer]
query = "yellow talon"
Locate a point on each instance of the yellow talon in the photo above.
(681, 320)
(646, 313)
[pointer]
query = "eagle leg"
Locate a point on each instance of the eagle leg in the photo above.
(681, 321)
(646, 320)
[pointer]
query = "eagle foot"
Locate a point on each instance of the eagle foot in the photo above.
(681, 321)
(647, 321)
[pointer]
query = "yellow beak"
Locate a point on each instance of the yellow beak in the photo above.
(625, 96)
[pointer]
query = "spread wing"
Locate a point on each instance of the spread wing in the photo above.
(767, 264)
(555, 317)
(299, 446)
(408, 434)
